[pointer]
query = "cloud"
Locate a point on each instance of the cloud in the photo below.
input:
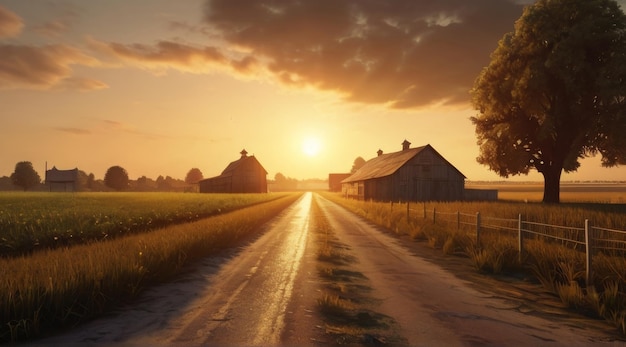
(170, 54)
(75, 131)
(10, 24)
(402, 53)
(43, 67)
(121, 127)
(53, 28)
(81, 84)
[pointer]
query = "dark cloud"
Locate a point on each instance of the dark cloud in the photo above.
(10, 23)
(176, 55)
(403, 53)
(43, 67)
(75, 131)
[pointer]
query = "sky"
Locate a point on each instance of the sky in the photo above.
(162, 86)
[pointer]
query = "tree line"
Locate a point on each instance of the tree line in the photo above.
(26, 178)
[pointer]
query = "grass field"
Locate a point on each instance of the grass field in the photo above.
(55, 289)
(35, 221)
(559, 267)
(614, 193)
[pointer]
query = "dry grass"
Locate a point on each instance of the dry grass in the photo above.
(59, 288)
(344, 301)
(560, 269)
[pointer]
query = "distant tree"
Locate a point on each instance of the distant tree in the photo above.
(25, 175)
(193, 176)
(280, 178)
(358, 163)
(83, 178)
(116, 178)
(91, 181)
(283, 183)
(145, 184)
(6, 183)
(163, 184)
(555, 92)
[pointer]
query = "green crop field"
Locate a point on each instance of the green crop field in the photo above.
(158, 234)
(34, 221)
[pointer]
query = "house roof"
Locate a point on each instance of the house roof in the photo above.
(56, 175)
(387, 164)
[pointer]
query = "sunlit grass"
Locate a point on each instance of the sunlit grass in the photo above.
(36, 221)
(560, 269)
(55, 289)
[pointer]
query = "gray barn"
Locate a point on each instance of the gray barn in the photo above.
(413, 174)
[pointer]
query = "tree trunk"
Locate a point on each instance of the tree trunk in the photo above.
(552, 185)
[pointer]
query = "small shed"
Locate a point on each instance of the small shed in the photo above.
(62, 180)
(245, 175)
(412, 174)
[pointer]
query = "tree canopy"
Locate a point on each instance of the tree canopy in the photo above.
(25, 175)
(193, 176)
(116, 177)
(357, 164)
(554, 92)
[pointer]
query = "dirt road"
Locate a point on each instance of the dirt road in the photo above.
(264, 293)
(258, 295)
(434, 307)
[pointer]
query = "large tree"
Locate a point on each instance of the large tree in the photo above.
(116, 177)
(25, 175)
(554, 92)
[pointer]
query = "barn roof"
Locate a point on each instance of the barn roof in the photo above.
(387, 164)
(56, 175)
(233, 166)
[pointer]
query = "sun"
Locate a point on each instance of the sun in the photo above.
(311, 146)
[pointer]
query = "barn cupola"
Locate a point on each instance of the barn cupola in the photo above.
(405, 145)
(380, 152)
(243, 154)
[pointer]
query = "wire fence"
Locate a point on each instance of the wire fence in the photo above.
(585, 238)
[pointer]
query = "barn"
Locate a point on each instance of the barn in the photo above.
(413, 174)
(62, 180)
(245, 175)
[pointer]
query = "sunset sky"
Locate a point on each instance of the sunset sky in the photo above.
(162, 86)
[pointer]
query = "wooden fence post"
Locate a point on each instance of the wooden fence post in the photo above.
(477, 229)
(458, 220)
(424, 209)
(520, 237)
(434, 215)
(588, 251)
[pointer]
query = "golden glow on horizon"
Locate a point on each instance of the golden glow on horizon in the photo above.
(311, 146)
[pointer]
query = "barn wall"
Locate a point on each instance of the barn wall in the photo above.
(249, 180)
(425, 177)
(249, 177)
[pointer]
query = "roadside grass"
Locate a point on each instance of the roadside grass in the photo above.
(345, 301)
(33, 221)
(559, 269)
(53, 290)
